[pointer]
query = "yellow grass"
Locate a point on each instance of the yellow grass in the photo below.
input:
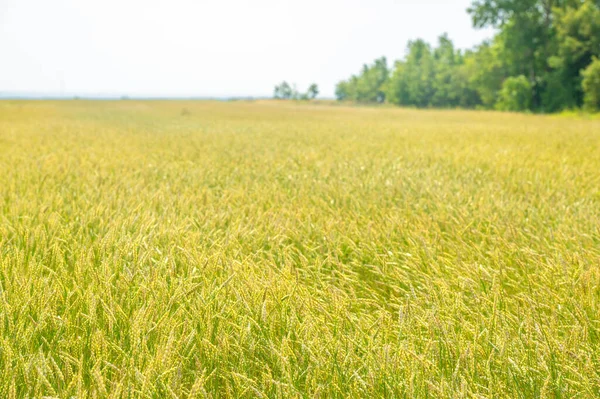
(272, 249)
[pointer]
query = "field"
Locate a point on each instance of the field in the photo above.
(271, 249)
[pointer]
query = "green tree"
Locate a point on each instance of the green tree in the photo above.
(545, 47)
(396, 89)
(578, 38)
(283, 91)
(451, 83)
(445, 92)
(429, 77)
(313, 91)
(342, 91)
(526, 37)
(420, 72)
(411, 82)
(515, 94)
(295, 94)
(549, 41)
(591, 85)
(368, 86)
(485, 72)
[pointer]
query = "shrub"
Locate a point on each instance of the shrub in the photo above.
(515, 94)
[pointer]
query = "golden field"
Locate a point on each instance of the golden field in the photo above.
(154, 249)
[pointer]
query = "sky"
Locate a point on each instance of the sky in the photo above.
(210, 48)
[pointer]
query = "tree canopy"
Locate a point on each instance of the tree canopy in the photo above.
(542, 59)
(284, 91)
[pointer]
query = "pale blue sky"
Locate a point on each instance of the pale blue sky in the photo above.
(210, 47)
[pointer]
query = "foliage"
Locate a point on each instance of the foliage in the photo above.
(366, 87)
(578, 40)
(260, 250)
(412, 81)
(515, 94)
(286, 92)
(429, 77)
(313, 91)
(549, 42)
(591, 85)
(485, 72)
(283, 91)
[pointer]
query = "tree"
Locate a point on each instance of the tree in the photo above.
(368, 86)
(427, 77)
(538, 61)
(286, 92)
(295, 95)
(444, 81)
(412, 80)
(591, 86)
(313, 91)
(549, 41)
(526, 37)
(342, 91)
(578, 41)
(283, 91)
(396, 90)
(485, 72)
(515, 94)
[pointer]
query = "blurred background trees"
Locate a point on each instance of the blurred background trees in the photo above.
(284, 91)
(544, 58)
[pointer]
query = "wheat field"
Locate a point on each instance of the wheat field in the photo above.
(170, 249)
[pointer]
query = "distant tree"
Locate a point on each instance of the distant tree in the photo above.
(485, 72)
(591, 86)
(413, 78)
(578, 42)
(446, 92)
(548, 41)
(342, 91)
(435, 77)
(515, 94)
(368, 86)
(283, 91)
(526, 32)
(313, 91)
(396, 89)
(295, 94)
(286, 92)
(542, 59)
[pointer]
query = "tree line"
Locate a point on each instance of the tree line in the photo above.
(285, 91)
(544, 58)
